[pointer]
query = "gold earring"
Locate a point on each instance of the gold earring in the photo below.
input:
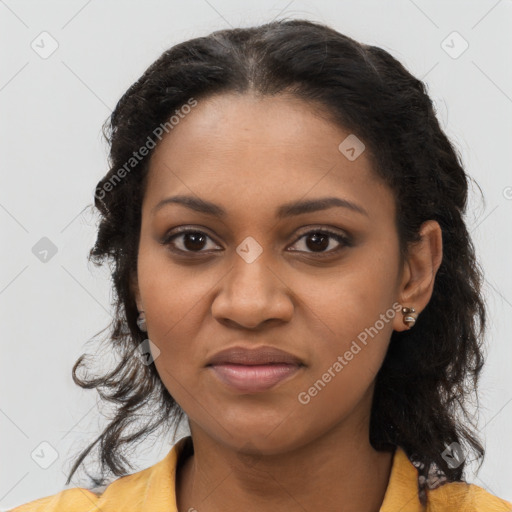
(409, 316)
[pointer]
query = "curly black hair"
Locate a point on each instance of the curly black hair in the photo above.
(430, 371)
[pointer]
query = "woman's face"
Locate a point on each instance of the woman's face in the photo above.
(252, 277)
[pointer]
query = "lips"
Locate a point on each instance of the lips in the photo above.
(256, 356)
(253, 370)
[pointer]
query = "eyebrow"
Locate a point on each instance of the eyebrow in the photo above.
(284, 211)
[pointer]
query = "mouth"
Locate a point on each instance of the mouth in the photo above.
(254, 370)
(254, 378)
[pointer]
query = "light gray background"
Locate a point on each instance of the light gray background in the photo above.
(52, 156)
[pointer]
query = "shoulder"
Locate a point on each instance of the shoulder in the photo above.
(127, 493)
(465, 497)
(150, 489)
(77, 499)
(441, 495)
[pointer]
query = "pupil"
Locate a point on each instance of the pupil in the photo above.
(196, 239)
(319, 241)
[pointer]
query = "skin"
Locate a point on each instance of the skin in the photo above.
(267, 451)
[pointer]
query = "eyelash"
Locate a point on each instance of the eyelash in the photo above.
(342, 239)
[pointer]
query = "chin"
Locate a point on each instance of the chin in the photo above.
(264, 441)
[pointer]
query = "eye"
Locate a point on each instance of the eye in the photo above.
(319, 240)
(190, 241)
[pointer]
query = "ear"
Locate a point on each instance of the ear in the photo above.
(420, 269)
(134, 287)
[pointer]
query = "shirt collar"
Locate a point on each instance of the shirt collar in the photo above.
(158, 483)
(402, 490)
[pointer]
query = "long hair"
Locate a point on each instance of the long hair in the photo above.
(429, 372)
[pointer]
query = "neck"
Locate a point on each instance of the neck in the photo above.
(336, 471)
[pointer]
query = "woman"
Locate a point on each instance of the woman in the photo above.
(294, 277)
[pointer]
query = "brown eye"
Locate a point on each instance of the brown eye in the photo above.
(317, 241)
(188, 240)
(321, 242)
(194, 241)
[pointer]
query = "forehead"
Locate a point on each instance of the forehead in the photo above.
(246, 150)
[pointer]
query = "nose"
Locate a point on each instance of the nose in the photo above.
(252, 294)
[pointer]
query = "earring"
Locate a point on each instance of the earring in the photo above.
(141, 321)
(409, 316)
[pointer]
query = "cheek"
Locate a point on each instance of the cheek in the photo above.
(346, 360)
(172, 294)
(352, 314)
(175, 304)
(355, 299)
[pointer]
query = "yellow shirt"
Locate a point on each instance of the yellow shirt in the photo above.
(153, 490)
